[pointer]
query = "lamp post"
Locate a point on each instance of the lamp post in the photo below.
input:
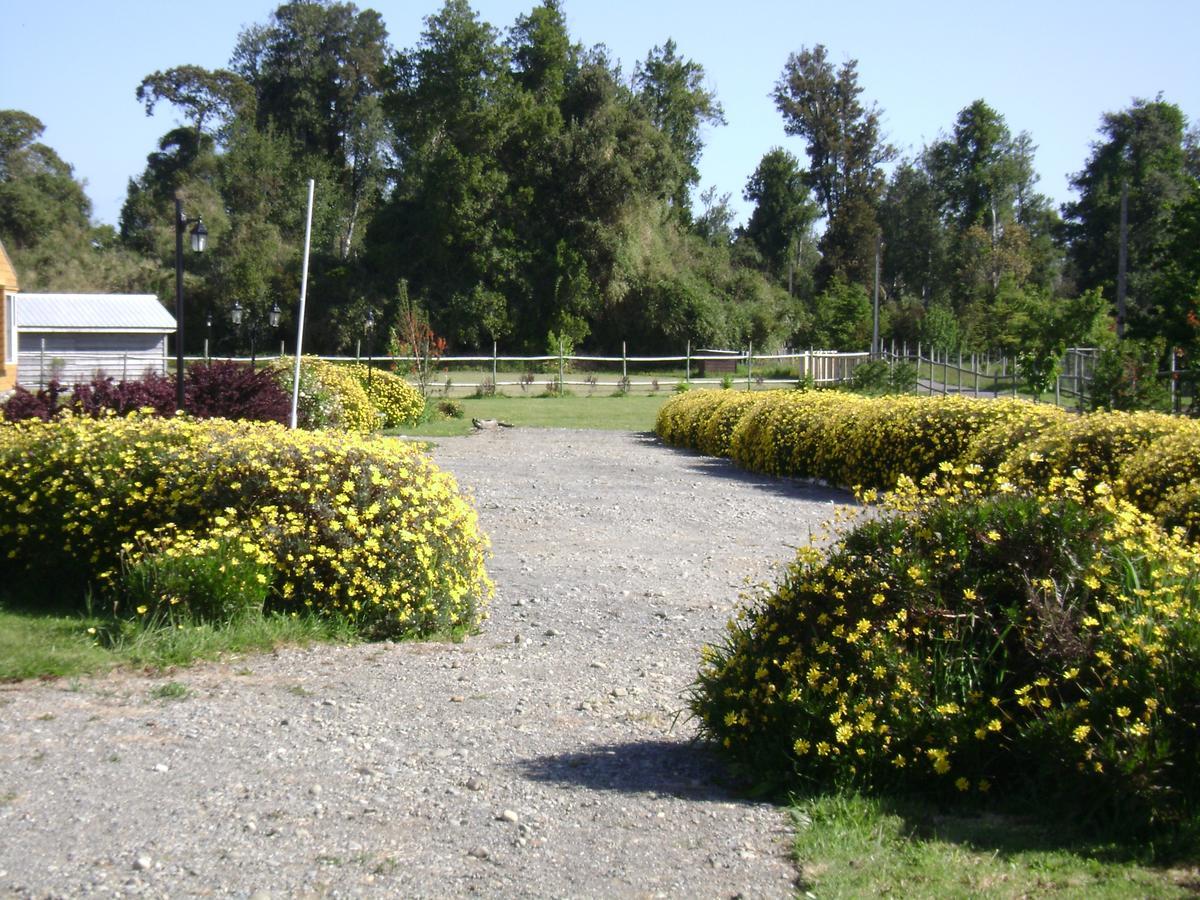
(238, 314)
(370, 343)
(199, 241)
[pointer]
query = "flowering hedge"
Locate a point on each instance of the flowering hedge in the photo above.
(369, 530)
(394, 398)
(853, 441)
(972, 642)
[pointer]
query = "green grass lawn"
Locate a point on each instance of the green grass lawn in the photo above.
(848, 845)
(46, 644)
(629, 413)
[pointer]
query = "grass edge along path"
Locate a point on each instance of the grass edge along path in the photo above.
(851, 845)
(622, 413)
(52, 644)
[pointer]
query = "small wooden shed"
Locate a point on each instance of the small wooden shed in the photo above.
(8, 322)
(72, 338)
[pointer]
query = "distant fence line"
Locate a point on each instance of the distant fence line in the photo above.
(938, 371)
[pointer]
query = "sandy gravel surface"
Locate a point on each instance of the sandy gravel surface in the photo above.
(546, 757)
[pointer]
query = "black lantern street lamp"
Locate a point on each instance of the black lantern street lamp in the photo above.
(199, 241)
(238, 314)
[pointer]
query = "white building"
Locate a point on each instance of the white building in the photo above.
(73, 338)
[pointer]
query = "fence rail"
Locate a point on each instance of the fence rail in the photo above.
(938, 372)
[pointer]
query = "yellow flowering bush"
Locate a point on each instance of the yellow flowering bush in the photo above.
(1097, 443)
(364, 529)
(330, 395)
(854, 441)
(715, 431)
(394, 398)
(1163, 477)
(993, 445)
(681, 418)
(972, 642)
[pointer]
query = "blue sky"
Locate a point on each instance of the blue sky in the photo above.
(1051, 68)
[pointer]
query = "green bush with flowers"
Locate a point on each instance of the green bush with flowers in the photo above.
(366, 530)
(967, 642)
(331, 397)
(397, 401)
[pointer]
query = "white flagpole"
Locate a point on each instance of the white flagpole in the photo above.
(303, 294)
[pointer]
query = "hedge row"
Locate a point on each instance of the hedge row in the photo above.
(853, 441)
(368, 530)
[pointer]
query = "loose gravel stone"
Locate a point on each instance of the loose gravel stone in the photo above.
(633, 554)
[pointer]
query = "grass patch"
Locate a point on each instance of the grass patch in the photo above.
(628, 413)
(36, 644)
(849, 845)
(172, 690)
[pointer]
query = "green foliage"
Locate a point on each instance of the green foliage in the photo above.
(1125, 376)
(983, 644)
(881, 377)
(842, 317)
(190, 579)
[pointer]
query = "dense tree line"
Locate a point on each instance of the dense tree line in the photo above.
(514, 186)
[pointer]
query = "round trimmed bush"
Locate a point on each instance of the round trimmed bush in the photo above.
(394, 398)
(969, 644)
(368, 530)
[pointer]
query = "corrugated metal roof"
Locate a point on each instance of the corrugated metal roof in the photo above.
(92, 312)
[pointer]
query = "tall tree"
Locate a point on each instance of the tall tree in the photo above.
(680, 105)
(783, 212)
(1143, 151)
(317, 71)
(846, 152)
(45, 218)
(212, 97)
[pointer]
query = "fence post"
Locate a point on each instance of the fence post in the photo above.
(687, 372)
(495, 383)
(560, 368)
(975, 370)
(624, 363)
(358, 351)
(749, 363)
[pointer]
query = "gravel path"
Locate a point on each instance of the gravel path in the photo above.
(545, 757)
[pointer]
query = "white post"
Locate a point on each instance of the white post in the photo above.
(687, 372)
(749, 363)
(495, 354)
(303, 297)
(560, 368)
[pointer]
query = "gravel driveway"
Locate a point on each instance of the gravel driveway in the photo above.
(546, 757)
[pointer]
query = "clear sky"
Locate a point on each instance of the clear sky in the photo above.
(1050, 67)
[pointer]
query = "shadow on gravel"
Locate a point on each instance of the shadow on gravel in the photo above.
(687, 771)
(716, 467)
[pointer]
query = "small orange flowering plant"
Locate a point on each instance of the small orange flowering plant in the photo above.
(971, 639)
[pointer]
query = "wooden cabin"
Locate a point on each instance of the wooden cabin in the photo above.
(8, 322)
